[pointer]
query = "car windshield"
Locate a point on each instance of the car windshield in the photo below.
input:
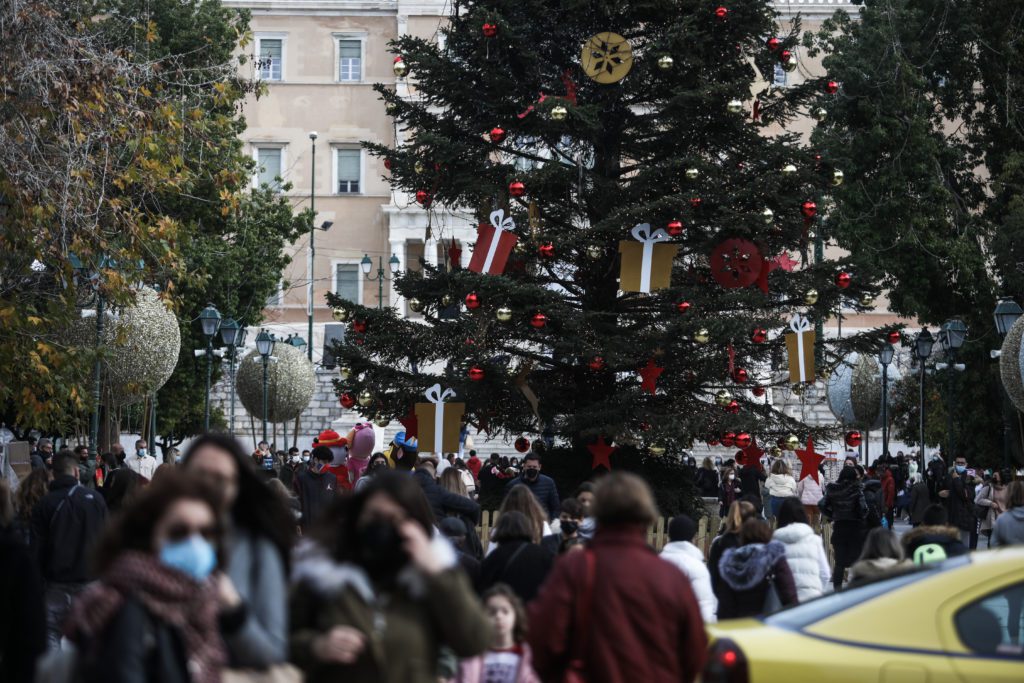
(803, 615)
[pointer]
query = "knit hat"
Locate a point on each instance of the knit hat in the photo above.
(682, 528)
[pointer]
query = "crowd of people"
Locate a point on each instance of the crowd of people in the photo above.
(224, 564)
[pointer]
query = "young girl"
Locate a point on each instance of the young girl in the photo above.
(509, 658)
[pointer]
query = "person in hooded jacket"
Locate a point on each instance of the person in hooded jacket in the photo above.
(1009, 527)
(378, 593)
(845, 505)
(920, 499)
(681, 552)
(881, 557)
(517, 560)
(888, 496)
(780, 485)
(750, 570)
(728, 537)
(934, 530)
(994, 496)
(805, 551)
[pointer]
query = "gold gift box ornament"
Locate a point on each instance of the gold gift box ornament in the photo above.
(439, 422)
(800, 350)
(646, 265)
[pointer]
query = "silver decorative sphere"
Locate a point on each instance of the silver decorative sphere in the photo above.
(290, 383)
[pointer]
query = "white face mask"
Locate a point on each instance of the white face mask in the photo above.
(731, 477)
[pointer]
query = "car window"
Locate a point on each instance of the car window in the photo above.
(805, 614)
(992, 625)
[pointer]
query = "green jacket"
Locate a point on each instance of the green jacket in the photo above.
(406, 628)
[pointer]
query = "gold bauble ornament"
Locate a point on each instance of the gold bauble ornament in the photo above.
(503, 314)
(767, 215)
(390, 108)
(446, 300)
(702, 336)
(788, 169)
(345, 372)
(790, 65)
(723, 397)
(734, 106)
(559, 113)
(797, 389)
(365, 398)
(867, 301)
(657, 450)
(520, 247)
(419, 167)
(692, 174)
(811, 297)
(382, 422)
(607, 57)
(837, 177)
(792, 443)
(415, 305)
(595, 252)
(340, 314)
(665, 62)
(820, 114)
(775, 452)
(399, 68)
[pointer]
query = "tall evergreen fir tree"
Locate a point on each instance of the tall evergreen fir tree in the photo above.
(534, 108)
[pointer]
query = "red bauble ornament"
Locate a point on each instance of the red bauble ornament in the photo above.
(683, 306)
(472, 301)
(843, 280)
(722, 13)
(733, 407)
(359, 326)
(423, 197)
(831, 87)
(387, 164)
(736, 263)
(740, 375)
(539, 320)
(729, 439)
(757, 391)
(476, 373)
(895, 337)
(785, 56)
(743, 440)
(712, 441)
(522, 444)
(469, 341)
(773, 44)
(596, 364)
(853, 439)
(547, 250)
(695, 203)
(347, 401)
(809, 209)
(674, 227)
(516, 188)
(490, 30)
(498, 134)
(759, 335)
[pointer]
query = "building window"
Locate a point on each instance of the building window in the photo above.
(779, 77)
(348, 169)
(268, 167)
(350, 61)
(269, 60)
(276, 299)
(346, 281)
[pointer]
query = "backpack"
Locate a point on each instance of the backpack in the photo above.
(68, 530)
(874, 516)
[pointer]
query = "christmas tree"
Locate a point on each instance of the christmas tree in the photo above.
(664, 228)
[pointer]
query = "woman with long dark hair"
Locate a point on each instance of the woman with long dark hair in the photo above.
(259, 532)
(378, 592)
(152, 616)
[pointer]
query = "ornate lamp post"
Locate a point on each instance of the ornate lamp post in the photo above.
(922, 350)
(367, 265)
(265, 347)
(233, 336)
(93, 275)
(209, 318)
(885, 356)
(952, 338)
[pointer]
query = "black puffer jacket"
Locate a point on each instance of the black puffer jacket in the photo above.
(844, 502)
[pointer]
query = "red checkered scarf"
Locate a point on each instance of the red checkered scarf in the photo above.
(167, 594)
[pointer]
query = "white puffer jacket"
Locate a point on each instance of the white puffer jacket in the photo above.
(809, 491)
(805, 555)
(780, 485)
(690, 561)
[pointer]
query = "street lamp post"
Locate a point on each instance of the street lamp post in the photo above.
(885, 356)
(209, 318)
(97, 368)
(952, 338)
(367, 265)
(265, 346)
(922, 350)
(312, 246)
(1007, 313)
(233, 336)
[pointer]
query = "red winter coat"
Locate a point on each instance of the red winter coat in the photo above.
(888, 491)
(474, 464)
(644, 625)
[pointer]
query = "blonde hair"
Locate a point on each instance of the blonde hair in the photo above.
(451, 480)
(707, 464)
(521, 499)
(780, 466)
(623, 498)
(739, 512)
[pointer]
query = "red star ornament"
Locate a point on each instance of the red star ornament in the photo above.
(600, 452)
(411, 423)
(650, 374)
(809, 461)
(751, 455)
(784, 262)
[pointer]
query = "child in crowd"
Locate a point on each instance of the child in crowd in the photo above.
(509, 658)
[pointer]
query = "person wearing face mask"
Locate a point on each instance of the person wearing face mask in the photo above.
(540, 485)
(292, 467)
(378, 592)
(377, 465)
(569, 518)
(153, 614)
(730, 491)
(142, 463)
(959, 495)
(317, 487)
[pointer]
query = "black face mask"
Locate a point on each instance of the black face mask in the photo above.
(570, 526)
(531, 474)
(378, 467)
(380, 550)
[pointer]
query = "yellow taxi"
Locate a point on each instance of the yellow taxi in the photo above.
(956, 621)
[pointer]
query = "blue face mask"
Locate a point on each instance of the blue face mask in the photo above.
(193, 556)
(141, 452)
(960, 469)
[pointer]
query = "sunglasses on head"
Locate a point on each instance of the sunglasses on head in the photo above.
(179, 532)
